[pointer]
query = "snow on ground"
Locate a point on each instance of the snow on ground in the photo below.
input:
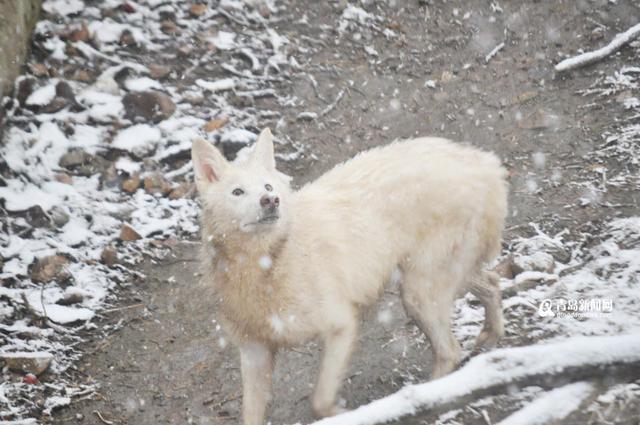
(96, 168)
(82, 159)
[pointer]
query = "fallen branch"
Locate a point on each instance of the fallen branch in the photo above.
(102, 419)
(333, 104)
(493, 52)
(590, 57)
(552, 406)
(546, 365)
(126, 307)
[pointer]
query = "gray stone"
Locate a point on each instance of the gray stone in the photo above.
(74, 158)
(25, 362)
(151, 106)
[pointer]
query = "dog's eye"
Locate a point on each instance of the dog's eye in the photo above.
(268, 187)
(237, 192)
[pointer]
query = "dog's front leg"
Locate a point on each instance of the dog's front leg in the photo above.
(257, 368)
(338, 345)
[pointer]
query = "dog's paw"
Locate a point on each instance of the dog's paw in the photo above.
(486, 341)
(323, 412)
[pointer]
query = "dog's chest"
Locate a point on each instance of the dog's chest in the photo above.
(254, 304)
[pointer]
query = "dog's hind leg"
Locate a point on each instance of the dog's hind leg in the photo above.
(338, 345)
(486, 286)
(430, 305)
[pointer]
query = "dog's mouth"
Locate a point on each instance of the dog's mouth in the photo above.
(264, 220)
(268, 219)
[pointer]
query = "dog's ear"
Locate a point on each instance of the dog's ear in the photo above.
(208, 163)
(263, 151)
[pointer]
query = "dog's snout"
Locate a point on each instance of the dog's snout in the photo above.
(268, 201)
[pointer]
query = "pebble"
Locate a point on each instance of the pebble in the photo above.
(128, 234)
(27, 362)
(151, 106)
(52, 267)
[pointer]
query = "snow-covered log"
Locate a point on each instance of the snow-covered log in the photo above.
(589, 57)
(551, 406)
(546, 365)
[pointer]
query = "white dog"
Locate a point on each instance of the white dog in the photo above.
(291, 266)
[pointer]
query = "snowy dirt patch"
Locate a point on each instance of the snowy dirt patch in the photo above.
(222, 72)
(95, 168)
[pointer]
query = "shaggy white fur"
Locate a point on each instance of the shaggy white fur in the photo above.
(290, 266)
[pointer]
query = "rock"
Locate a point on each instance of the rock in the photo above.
(536, 262)
(193, 98)
(127, 234)
(124, 74)
(110, 177)
(240, 101)
(49, 268)
(127, 39)
(131, 184)
(25, 362)
(148, 105)
(182, 191)
(37, 217)
(39, 69)
(185, 50)
(64, 90)
(74, 158)
(63, 178)
(197, 10)
(109, 256)
(81, 34)
(169, 27)
(81, 75)
(71, 298)
(58, 215)
(24, 90)
(215, 124)
(57, 104)
(157, 184)
(159, 71)
(127, 8)
(264, 11)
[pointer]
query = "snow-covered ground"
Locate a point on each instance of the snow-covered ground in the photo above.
(91, 180)
(94, 178)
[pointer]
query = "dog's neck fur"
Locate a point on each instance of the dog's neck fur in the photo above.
(247, 288)
(242, 250)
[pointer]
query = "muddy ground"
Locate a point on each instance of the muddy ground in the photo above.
(169, 363)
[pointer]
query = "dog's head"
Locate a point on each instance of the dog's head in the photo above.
(248, 196)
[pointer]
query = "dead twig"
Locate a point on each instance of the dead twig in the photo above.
(590, 57)
(127, 307)
(102, 419)
(493, 52)
(333, 104)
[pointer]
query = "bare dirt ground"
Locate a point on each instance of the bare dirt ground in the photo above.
(169, 363)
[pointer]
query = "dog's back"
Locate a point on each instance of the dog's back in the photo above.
(425, 200)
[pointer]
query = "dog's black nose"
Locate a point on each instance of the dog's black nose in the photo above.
(270, 202)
